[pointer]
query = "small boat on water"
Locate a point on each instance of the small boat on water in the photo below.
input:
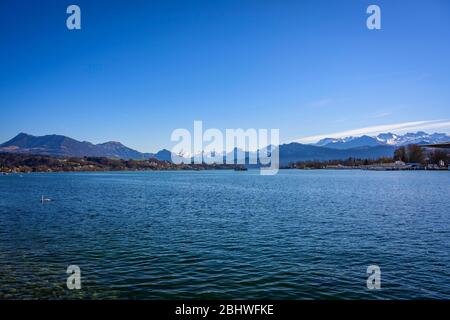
(240, 168)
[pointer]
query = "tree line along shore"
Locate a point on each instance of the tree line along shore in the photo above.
(23, 163)
(411, 157)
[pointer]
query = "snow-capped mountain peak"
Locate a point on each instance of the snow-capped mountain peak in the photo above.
(388, 138)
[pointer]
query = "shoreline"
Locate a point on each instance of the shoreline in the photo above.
(3, 173)
(23, 163)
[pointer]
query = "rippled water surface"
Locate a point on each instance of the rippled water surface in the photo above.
(226, 234)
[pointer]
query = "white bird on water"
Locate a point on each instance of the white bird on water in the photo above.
(44, 199)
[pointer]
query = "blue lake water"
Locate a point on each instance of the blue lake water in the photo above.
(226, 234)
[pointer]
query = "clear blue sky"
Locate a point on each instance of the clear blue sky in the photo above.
(140, 69)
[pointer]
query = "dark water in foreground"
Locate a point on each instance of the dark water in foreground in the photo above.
(223, 234)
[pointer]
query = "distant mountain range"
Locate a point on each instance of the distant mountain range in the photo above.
(294, 152)
(384, 139)
(382, 145)
(62, 146)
